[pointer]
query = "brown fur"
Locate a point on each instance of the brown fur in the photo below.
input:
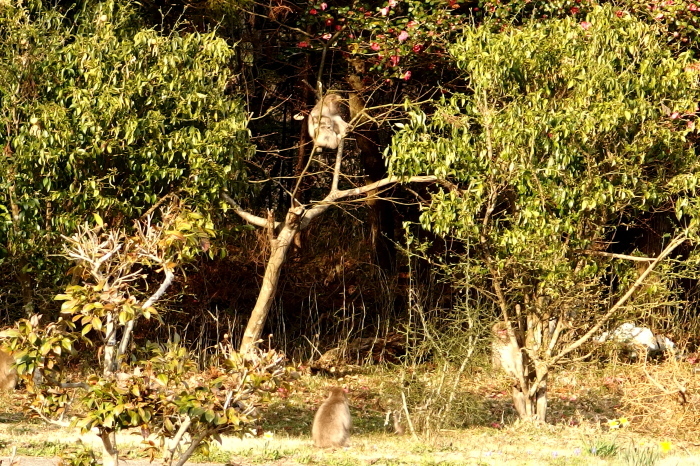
(332, 422)
(8, 374)
(503, 354)
(326, 126)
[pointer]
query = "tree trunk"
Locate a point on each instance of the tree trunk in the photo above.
(110, 454)
(110, 354)
(280, 247)
(530, 392)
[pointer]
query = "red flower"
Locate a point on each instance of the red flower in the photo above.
(574, 10)
(394, 60)
(619, 13)
(303, 44)
(417, 48)
(374, 46)
(329, 22)
(407, 75)
(313, 11)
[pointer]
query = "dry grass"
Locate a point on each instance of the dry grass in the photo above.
(661, 399)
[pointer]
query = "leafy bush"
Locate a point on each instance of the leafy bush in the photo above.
(103, 115)
(569, 130)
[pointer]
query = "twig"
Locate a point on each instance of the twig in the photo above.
(408, 416)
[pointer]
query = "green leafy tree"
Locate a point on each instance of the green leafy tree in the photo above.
(99, 114)
(569, 129)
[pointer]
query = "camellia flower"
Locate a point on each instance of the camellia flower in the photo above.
(585, 25)
(324, 6)
(384, 11)
(417, 48)
(327, 36)
(392, 3)
(407, 75)
(394, 60)
(403, 36)
(303, 44)
(374, 46)
(313, 11)
(693, 7)
(574, 10)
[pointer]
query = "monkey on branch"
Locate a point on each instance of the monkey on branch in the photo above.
(326, 126)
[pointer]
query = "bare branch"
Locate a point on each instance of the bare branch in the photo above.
(677, 241)
(47, 420)
(175, 442)
(618, 256)
(247, 216)
(169, 276)
(338, 161)
(332, 197)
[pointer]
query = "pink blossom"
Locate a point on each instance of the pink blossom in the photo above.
(324, 6)
(693, 7)
(303, 44)
(392, 3)
(412, 24)
(384, 11)
(675, 115)
(394, 60)
(327, 36)
(407, 75)
(374, 46)
(403, 36)
(585, 25)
